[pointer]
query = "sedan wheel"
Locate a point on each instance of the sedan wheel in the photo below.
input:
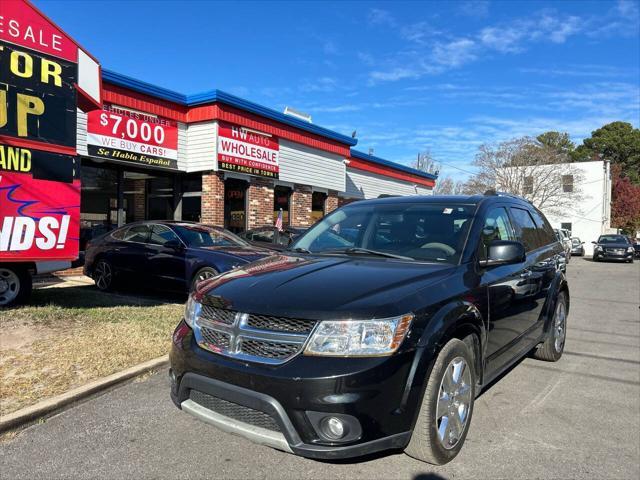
(103, 275)
(201, 275)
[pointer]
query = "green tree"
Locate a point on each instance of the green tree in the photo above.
(618, 142)
(558, 141)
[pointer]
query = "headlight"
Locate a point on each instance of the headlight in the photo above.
(598, 248)
(359, 338)
(630, 250)
(191, 311)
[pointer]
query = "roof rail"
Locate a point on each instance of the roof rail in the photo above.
(494, 193)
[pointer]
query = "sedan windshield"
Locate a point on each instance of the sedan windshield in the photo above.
(410, 231)
(203, 236)
(612, 239)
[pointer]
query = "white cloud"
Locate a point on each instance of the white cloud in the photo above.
(474, 8)
(394, 74)
(505, 40)
(454, 53)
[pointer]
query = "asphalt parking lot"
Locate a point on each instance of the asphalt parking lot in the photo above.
(578, 418)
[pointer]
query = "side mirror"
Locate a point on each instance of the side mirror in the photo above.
(174, 244)
(581, 243)
(594, 242)
(503, 252)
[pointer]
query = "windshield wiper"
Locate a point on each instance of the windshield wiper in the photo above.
(366, 251)
(298, 250)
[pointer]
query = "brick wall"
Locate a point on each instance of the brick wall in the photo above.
(345, 201)
(139, 203)
(212, 199)
(301, 206)
(332, 202)
(260, 203)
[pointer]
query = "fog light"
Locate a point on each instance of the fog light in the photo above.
(333, 427)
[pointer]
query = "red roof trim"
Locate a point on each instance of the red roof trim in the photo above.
(389, 172)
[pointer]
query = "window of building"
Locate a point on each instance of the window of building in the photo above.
(567, 183)
(192, 197)
(526, 230)
(566, 226)
(318, 205)
(99, 200)
(527, 187)
(281, 201)
(235, 205)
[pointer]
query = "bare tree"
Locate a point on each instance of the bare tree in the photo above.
(522, 166)
(425, 163)
(448, 186)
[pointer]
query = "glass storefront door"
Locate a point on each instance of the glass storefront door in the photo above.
(235, 205)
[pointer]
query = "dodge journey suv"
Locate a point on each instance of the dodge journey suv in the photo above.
(377, 329)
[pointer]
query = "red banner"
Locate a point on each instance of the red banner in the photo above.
(39, 219)
(246, 151)
(120, 134)
(23, 25)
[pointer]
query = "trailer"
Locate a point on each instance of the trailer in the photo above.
(45, 77)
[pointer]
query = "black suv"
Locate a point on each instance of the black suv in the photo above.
(377, 329)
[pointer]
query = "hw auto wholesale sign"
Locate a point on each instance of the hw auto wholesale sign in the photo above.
(246, 151)
(39, 188)
(125, 135)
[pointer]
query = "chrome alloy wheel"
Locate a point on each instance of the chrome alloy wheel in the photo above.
(9, 286)
(559, 326)
(206, 275)
(454, 402)
(103, 275)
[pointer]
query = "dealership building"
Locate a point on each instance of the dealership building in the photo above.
(152, 153)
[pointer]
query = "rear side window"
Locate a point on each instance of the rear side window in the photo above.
(137, 233)
(545, 231)
(119, 234)
(526, 230)
(161, 234)
(496, 227)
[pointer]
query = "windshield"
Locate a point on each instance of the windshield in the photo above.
(575, 241)
(420, 231)
(612, 239)
(203, 236)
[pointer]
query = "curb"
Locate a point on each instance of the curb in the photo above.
(53, 404)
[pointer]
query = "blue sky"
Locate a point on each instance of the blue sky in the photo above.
(408, 76)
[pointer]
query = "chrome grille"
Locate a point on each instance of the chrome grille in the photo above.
(250, 337)
(234, 411)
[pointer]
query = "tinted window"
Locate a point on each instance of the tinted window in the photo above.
(422, 231)
(202, 236)
(545, 232)
(161, 234)
(496, 227)
(137, 233)
(526, 230)
(612, 239)
(119, 234)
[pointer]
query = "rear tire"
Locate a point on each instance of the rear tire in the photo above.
(447, 406)
(15, 285)
(204, 273)
(552, 348)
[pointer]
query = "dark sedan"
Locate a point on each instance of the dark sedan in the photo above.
(577, 246)
(271, 237)
(613, 247)
(165, 254)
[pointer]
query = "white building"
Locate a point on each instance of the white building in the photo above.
(590, 215)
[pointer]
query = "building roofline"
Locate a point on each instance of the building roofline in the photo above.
(390, 164)
(218, 96)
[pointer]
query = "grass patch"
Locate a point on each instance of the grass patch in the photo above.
(68, 336)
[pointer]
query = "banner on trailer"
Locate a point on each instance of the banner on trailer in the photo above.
(39, 205)
(124, 135)
(246, 151)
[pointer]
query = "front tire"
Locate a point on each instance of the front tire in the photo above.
(204, 273)
(447, 406)
(15, 285)
(552, 348)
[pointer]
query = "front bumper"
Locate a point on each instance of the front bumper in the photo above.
(613, 256)
(379, 396)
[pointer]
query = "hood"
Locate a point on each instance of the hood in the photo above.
(245, 254)
(322, 287)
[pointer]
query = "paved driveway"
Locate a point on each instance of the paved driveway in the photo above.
(578, 418)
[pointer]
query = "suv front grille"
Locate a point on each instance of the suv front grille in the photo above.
(234, 411)
(256, 338)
